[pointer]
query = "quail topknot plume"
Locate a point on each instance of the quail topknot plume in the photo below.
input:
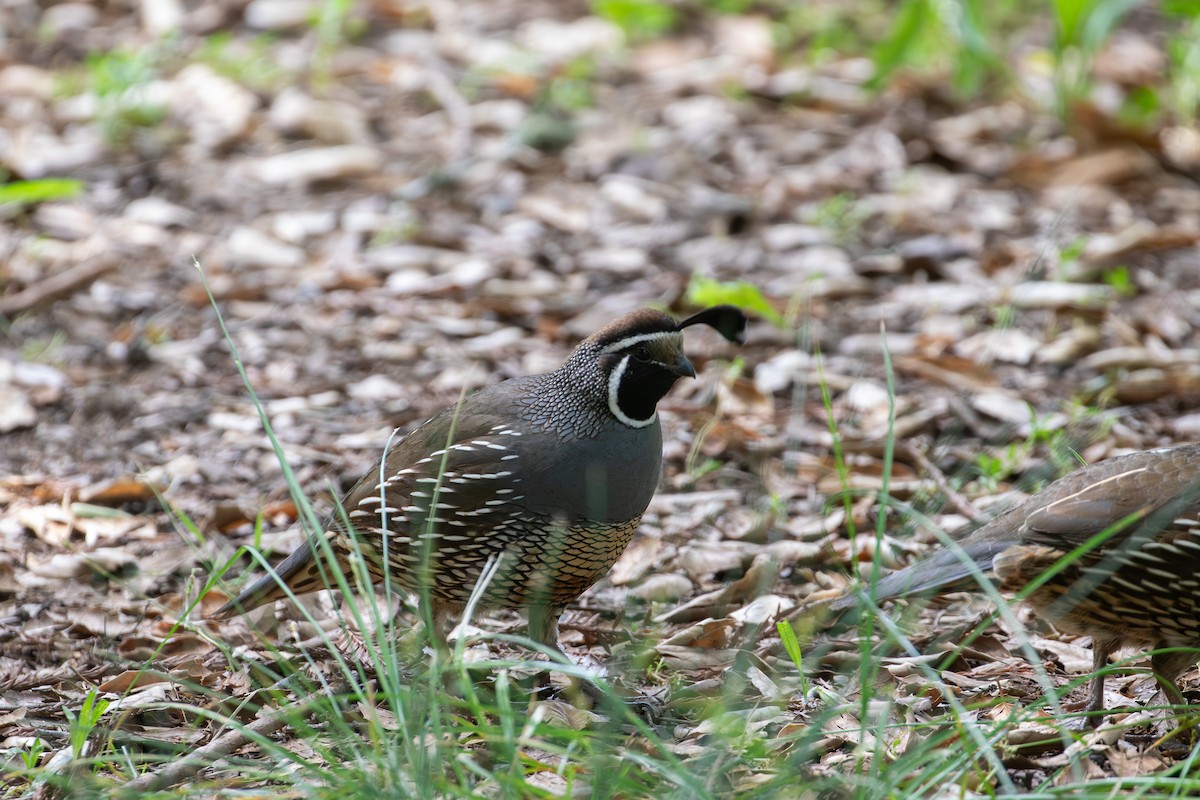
(1125, 536)
(545, 477)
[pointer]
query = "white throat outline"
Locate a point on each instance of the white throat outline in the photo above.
(614, 388)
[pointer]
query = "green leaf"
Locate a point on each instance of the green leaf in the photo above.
(639, 19)
(790, 643)
(706, 292)
(897, 49)
(27, 193)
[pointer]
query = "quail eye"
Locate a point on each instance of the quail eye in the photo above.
(642, 353)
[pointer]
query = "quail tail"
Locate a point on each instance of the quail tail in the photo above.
(299, 571)
(947, 570)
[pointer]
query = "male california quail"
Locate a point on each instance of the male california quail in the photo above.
(1125, 536)
(548, 474)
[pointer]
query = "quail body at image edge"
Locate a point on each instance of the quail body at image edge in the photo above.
(1135, 582)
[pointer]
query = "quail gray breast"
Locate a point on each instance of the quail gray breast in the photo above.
(545, 477)
(1116, 546)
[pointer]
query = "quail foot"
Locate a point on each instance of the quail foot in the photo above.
(1120, 543)
(544, 477)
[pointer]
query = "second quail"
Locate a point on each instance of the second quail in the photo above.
(1120, 542)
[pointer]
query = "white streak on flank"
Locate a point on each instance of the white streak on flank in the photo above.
(501, 430)
(614, 387)
(630, 341)
(1095, 487)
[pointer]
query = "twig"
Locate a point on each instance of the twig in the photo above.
(439, 84)
(221, 747)
(960, 503)
(58, 285)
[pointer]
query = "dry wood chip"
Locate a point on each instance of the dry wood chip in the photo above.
(662, 588)
(690, 658)
(1003, 406)
(643, 554)
(1107, 167)
(102, 560)
(957, 373)
(53, 524)
(1052, 295)
(763, 610)
(711, 634)
(1008, 345)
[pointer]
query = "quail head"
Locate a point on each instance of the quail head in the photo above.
(543, 478)
(1117, 548)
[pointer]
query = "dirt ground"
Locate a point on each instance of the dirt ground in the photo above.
(459, 193)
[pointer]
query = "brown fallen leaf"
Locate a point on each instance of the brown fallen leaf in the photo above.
(132, 679)
(1128, 764)
(127, 489)
(103, 561)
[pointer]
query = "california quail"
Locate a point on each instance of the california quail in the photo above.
(548, 474)
(1124, 535)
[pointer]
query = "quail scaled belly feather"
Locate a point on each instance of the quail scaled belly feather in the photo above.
(545, 477)
(1135, 580)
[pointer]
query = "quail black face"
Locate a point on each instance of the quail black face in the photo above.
(641, 356)
(641, 370)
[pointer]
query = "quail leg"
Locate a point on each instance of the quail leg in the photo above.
(1167, 667)
(543, 629)
(1094, 704)
(1101, 650)
(440, 614)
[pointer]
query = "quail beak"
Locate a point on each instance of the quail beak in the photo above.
(682, 367)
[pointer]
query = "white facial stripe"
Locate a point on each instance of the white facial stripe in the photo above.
(630, 341)
(614, 386)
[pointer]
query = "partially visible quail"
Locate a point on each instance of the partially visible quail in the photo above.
(549, 474)
(1135, 580)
